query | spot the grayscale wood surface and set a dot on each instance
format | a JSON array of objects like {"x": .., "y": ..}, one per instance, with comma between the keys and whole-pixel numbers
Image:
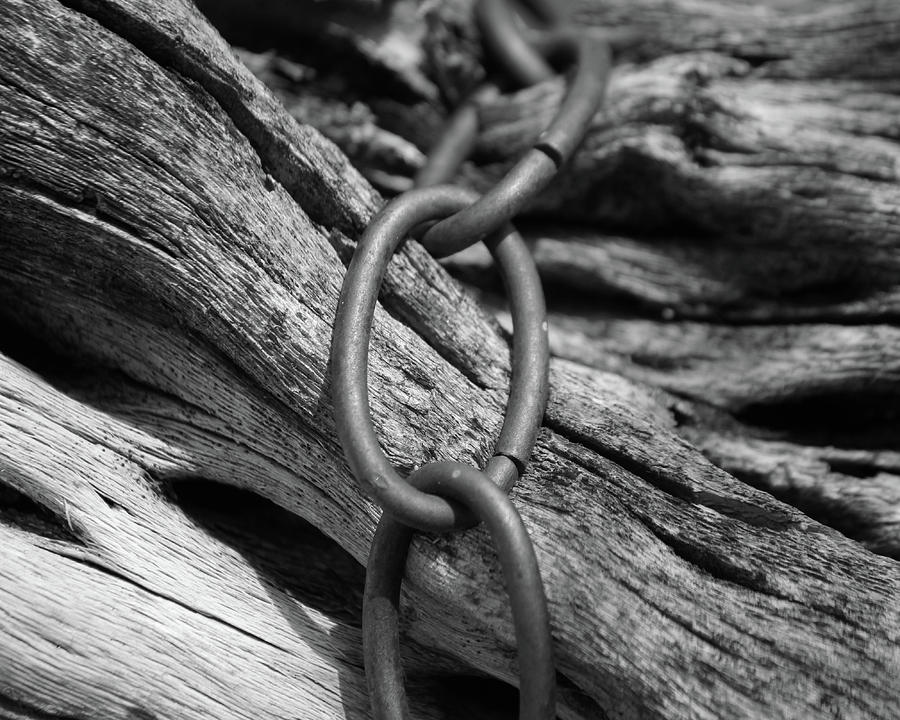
[{"x": 713, "y": 497}]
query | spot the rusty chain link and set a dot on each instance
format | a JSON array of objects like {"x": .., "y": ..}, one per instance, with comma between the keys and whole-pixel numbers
[
  {"x": 534, "y": 170},
  {"x": 445, "y": 496},
  {"x": 350, "y": 343}
]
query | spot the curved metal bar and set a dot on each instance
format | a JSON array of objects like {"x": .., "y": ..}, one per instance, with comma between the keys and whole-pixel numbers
[
  {"x": 455, "y": 145},
  {"x": 530, "y": 175},
  {"x": 387, "y": 559},
  {"x": 585, "y": 94},
  {"x": 350, "y": 349},
  {"x": 380, "y": 623},
  {"x": 497, "y": 23},
  {"x": 530, "y": 355},
  {"x": 456, "y": 142}
]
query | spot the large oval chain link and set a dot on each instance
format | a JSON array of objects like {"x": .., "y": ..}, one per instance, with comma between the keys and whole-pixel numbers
[
  {"x": 350, "y": 348},
  {"x": 446, "y": 496},
  {"x": 537, "y": 167}
]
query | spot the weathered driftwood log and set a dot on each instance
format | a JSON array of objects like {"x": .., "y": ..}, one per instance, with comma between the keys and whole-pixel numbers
[
  {"x": 713, "y": 192},
  {"x": 172, "y": 249},
  {"x": 798, "y": 410},
  {"x": 138, "y": 602}
]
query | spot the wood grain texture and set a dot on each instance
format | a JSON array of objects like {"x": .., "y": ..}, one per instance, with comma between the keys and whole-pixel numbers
[
  {"x": 136, "y": 604},
  {"x": 187, "y": 289},
  {"x": 780, "y": 202},
  {"x": 781, "y": 38},
  {"x": 805, "y": 412}
]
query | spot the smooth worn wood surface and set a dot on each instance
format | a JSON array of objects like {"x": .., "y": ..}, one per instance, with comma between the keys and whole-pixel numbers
[{"x": 172, "y": 245}]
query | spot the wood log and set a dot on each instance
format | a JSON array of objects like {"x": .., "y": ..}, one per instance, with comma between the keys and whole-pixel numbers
[
  {"x": 142, "y": 602},
  {"x": 743, "y": 138},
  {"x": 172, "y": 250},
  {"x": 705, "y": 188},
  {"x": 801, "y": 411},
  {"x": 781, "y": 38}
]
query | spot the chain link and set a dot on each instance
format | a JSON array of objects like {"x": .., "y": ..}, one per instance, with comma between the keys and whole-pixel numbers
[
  {"x": 384, "y": 574},
  {"x": 444, "y": 496},
  {"x": 349, "y": 358}
]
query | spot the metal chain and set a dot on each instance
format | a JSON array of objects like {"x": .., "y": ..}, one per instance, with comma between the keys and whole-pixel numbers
[{"x": 444, "y": 496}]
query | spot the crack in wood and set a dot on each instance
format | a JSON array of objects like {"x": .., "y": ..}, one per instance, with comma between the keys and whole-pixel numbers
[
  {"x": 317, "y": 198},
  {"x": 726, "y": 506},
  {"x": 97, "y": 562}
]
